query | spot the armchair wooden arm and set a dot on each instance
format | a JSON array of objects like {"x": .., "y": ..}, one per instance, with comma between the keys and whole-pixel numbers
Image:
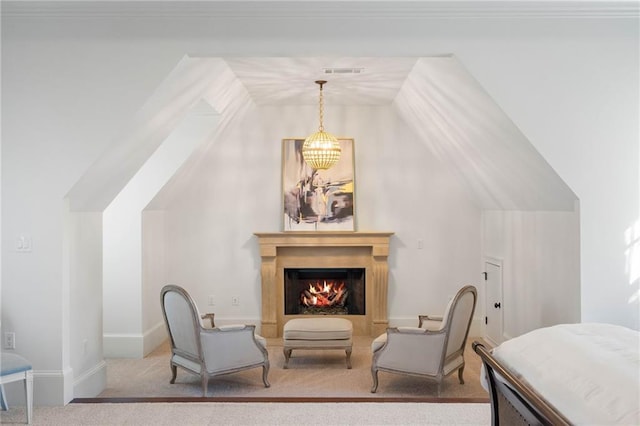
[
  {"x": 210, "y": 316},
  {"x": 423, "y": 318}
]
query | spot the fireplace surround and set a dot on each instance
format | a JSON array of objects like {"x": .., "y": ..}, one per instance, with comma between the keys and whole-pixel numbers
[{"x": 280, "y": 251}]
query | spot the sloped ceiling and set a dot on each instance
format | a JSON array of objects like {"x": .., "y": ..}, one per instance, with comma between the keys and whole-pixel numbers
[
  {"x": 465, "y": 128},
  {"x": 454, "y": 116},
  {"x": 438, "y": 98},
  {"x": 350, "y": 81},
  {"x": 192, "y": 82}
]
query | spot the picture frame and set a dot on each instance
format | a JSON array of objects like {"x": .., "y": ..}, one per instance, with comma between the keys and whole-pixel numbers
[{"x": 317, "y": 200}]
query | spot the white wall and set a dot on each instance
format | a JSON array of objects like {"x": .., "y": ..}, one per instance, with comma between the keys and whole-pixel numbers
[
  {"x": 235, "y": 190},
  {"x": 574, "y": 94},
  {"x": 124, "y": 335},
  {"x": 154, "y": 277},
  {"x": 85, "y": 289},
  {"x": 70, "y": 84},
  {"x": 541, "y": 267},
  {"x": 63, "y": 101}
]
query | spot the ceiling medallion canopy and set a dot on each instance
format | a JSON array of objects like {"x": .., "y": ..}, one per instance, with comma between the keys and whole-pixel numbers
[{"x": 321, "y": 150}]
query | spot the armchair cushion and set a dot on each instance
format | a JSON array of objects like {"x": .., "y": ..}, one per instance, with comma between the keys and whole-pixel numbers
[
  {"x": 187, "y": 364},
  {"x": 378, "y": 342}
]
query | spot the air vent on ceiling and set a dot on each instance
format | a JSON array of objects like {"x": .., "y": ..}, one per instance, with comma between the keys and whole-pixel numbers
[{"x": 343, "y": 70}]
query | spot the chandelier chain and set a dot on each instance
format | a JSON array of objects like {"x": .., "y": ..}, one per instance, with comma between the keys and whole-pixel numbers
[{"x": 321, "y": 127}]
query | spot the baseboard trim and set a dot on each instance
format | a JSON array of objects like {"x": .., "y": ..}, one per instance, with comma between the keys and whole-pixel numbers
[
  {"x": 132, "y": 345},
  {"x": 122, "y": 345},
  {"x": 92, "y": 382},
  {"x": 50, "y": 388},
  {"x": 154, "y": 338}
]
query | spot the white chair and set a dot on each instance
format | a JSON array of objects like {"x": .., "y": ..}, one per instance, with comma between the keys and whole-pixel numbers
[
  {"x": 429, "y": 353},
  {"x": 13, "y": 368},
  {"x": 208, "y": 352}
]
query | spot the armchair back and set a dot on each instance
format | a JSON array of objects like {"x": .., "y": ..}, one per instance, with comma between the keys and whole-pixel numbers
[
  {"x": 183, "y": 324},
  {"x": 208, "y": 352},
  {"x": 458, "y": 319}
]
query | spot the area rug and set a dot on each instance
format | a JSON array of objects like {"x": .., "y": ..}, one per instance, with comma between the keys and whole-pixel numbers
[
  {"x": 248, "y": 414},
  {"x": 311, "y": 374}
]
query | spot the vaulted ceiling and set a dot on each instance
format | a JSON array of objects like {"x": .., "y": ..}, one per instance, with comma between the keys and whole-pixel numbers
[
  {"x": 454, "y": 117},
  {"x": 350, "y": 81}
]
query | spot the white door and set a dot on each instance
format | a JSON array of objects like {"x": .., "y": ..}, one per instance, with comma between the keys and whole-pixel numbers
[{"x": 493, "y": 301}]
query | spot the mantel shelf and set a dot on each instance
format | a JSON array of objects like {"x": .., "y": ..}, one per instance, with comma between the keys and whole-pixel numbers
[{"x": 270, "y": 241}]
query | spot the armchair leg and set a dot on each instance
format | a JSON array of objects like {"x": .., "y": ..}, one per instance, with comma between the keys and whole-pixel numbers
[
  {"x": 287, "y": 354},
  {"x": 460, "y": 371},
  {"x": 205, "y": 384},
  {"x": 374, "y": 374},
  {"x": 348, "y": 351},
  {"x": 174, "y": 373},
  {"x": 28, "y": 393},
  {"x": 265, "y": 372}
]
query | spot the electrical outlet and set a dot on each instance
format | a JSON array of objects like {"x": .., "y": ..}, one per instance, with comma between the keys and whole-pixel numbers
[
  {"x": 235, "y": 301},
  {"x": 212, "y": 300},
  {"x": 9, "y": 340}
]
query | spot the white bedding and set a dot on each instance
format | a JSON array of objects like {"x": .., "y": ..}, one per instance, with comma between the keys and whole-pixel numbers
[{"x": 589, "y": 372}]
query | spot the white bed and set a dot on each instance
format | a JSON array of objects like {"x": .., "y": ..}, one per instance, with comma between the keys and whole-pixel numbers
[{"x": 588, "y": 373}]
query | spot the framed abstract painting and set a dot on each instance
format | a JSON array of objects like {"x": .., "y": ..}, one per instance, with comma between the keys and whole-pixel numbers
[{"x": 317, "y": 200}]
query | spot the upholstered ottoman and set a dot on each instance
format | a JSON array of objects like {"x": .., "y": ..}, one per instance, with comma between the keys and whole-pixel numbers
[{"x": 317, "y": 333}]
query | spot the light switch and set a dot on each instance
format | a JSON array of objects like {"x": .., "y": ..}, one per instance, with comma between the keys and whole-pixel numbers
[{"x": 23, "y": 244}]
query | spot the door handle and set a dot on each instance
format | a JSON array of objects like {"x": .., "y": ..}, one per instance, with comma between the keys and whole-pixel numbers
[{"x": 496, "y": 305}]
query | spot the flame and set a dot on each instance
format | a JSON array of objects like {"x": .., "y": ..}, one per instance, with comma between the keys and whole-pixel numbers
[{"x": 323, "y": 294}]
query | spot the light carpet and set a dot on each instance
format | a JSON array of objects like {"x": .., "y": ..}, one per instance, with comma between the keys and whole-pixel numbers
[
  {"x": 311, "y": 374},
  {"x": 272, "y": 413}
]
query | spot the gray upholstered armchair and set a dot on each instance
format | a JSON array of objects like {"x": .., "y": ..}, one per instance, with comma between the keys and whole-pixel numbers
[
  {"x": 208, "y": 352},
  {"x": 431, "y": 353}
]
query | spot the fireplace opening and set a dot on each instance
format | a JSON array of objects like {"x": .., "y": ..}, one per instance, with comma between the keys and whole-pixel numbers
[{"x": 324, "y": 291}]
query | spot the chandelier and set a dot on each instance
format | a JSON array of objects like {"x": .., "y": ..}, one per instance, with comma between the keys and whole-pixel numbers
[{"x": 321, "y": 150}]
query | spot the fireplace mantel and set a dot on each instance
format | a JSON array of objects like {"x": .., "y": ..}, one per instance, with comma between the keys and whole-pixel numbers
[{"x": 369, "y": 250}]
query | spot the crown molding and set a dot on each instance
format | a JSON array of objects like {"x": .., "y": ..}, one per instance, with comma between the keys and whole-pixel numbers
[{"x": 333, "y": 9}]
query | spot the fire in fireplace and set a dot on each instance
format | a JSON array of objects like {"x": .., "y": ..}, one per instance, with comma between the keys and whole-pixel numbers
[
  {"x": 324, "y": 295},
  {"x": 324, "y": 291}
]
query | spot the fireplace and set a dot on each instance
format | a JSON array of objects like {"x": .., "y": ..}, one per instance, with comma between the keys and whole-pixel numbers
[
  {"x": 324, "y": 291},
  {"x": 313, "y": 252}
]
